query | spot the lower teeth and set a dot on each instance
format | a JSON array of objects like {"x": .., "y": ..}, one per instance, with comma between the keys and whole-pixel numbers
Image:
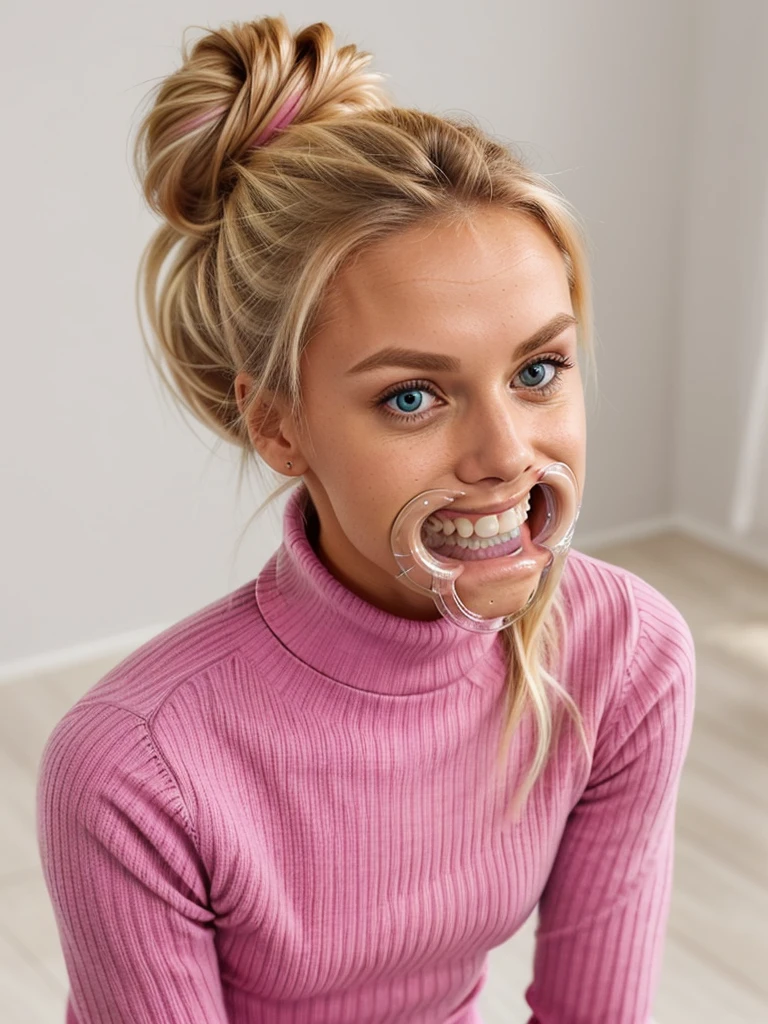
[{"x": 473, "y": 543}]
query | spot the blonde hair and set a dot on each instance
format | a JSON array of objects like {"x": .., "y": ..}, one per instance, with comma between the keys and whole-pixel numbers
[{"x": 252, "y": 237}]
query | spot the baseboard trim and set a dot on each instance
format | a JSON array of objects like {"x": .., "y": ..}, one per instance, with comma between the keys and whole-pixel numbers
[
  {"x": 640, "y": 530},
  {"x": 717, "y": 539},
  {"x": 728, "y": 543},
  {"x": 117, "y": 646}
]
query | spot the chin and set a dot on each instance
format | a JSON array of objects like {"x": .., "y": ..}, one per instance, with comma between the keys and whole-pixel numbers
[{"x": 508, "y": 599}]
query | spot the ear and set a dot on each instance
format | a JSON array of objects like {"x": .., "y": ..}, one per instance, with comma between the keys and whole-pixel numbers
[{"x": 271, "y": 428}]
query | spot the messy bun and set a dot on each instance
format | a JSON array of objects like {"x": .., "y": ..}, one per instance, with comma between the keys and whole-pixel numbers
[
  {"x": 210, "y": 114},
  {"x": 257, "y": 218}
]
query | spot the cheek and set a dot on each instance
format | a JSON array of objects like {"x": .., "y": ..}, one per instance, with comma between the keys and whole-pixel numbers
[
  {"x": 567, "y": 427},
  {"x": 375, "y": 487},
  {"x": 572, "y": 443}
]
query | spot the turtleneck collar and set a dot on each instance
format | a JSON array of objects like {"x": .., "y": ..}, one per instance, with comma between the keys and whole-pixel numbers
[{"x": 336, "y": 632}]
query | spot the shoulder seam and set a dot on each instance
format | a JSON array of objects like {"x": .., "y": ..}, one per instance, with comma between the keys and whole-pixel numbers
[
  {"x": 219, "y": 659},
  {"x": 642, "y": 630},
  {"x": 157, "y": 755},
  {"x": 187, "y": 817},
  {"x": 632, "y": 651},
  {"x": 632, "y": 646},
  {"x": 638, "y": 627}
]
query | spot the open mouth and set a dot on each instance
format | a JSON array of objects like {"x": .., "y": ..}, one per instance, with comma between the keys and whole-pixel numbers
[
  {"x": 537, "y": 515},
  {"x": 482, "y": 537}
]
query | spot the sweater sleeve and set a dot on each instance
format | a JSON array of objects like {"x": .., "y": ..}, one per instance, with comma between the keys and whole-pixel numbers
[
  {"x": 125, "y": 880},
  {"x": 603, "y": 912}
]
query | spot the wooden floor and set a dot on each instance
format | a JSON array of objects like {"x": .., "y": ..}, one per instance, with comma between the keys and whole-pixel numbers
[{"x": 716, "y": 959}]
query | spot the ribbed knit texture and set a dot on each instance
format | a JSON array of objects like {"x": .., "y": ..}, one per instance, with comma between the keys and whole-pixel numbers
[{"x": 284, "y": 810}]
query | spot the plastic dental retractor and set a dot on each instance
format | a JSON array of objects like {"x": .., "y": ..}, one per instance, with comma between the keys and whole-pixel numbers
[{"x": 425, "y": 570}]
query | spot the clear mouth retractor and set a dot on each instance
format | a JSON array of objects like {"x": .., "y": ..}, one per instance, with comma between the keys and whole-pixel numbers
[{"x": 423, "y": 570}]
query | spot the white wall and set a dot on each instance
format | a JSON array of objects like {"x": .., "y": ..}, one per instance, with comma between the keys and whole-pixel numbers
[
  {"x": 723, "y": 311},
  {"x": 115, "y": 515}
]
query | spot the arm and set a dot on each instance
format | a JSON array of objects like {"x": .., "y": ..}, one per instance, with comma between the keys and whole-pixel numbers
[
  {"x": 604, "y": 909},
  {"x": 127, "y": 885}
]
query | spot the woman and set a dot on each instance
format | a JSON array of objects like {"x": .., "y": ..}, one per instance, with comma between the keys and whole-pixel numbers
[{"x": 326, "y": 796}]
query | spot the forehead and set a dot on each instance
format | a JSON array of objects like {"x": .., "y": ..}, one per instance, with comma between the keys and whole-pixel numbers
[{"x": 494, "y": 260}]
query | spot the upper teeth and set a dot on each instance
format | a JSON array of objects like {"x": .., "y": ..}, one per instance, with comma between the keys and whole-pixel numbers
[{"x": 485, "y": 526}]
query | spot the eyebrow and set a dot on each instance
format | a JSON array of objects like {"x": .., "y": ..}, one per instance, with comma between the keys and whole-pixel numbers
[{"x": 433, "y": 361}]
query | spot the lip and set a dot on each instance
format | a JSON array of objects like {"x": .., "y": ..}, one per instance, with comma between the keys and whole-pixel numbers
[{"x": 492, "y": 510}]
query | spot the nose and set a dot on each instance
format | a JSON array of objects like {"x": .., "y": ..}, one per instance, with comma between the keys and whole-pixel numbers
[{"x": 495, "y": 441}]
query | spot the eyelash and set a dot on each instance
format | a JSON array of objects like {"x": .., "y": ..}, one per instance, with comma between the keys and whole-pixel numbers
[{"x": 561, "y": 362}]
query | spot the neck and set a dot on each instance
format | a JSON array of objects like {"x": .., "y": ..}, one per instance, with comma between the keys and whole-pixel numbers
[{"x": 326, "y": 625}]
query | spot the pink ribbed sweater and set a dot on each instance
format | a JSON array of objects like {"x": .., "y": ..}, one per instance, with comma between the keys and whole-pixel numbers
[{"x": 284, "y": 809}]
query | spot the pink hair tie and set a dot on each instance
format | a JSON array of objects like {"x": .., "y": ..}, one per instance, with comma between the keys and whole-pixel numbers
[
  {"x": 282, "y": 119},
  {"x": 199, "y": 121}
]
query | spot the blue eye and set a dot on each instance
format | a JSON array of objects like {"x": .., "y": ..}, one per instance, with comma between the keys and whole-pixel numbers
[
  {"x": 529, "y": 369},
  {"x": 409, "y": 404},
  {"x": 408, "y": 401}
]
